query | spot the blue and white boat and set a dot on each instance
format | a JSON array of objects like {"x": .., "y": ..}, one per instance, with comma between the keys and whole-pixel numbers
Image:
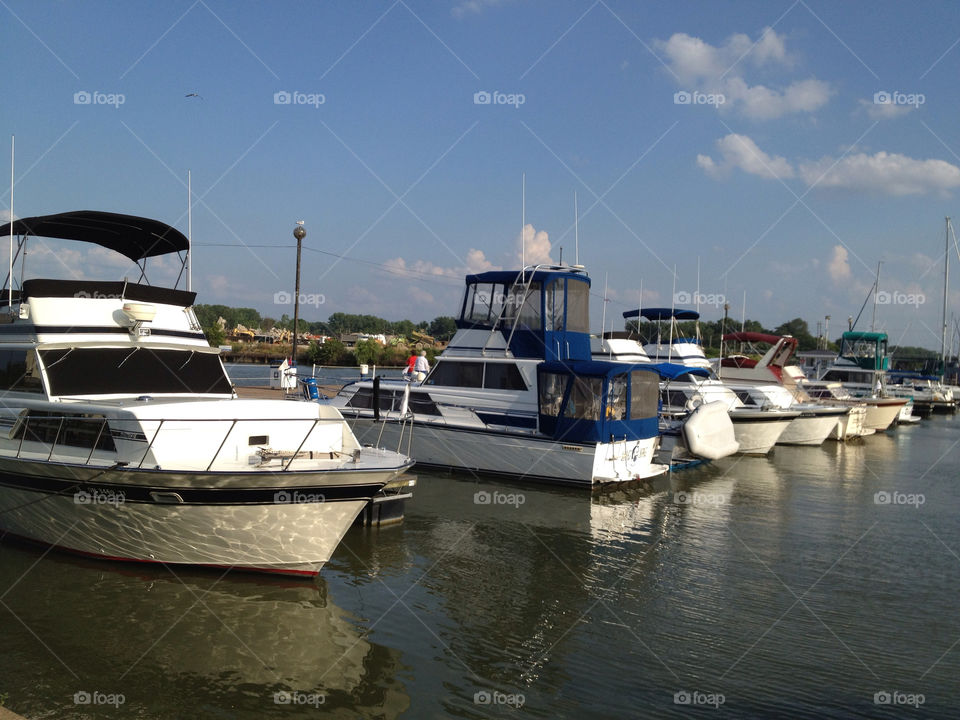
[{"x": 516, "y": 392}]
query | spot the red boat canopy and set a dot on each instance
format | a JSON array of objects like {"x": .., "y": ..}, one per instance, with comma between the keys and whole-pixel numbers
[{"x": 755, "y": 337}]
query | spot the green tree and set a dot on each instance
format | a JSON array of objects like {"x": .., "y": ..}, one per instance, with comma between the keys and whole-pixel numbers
[
  {"x": 367, "y": 352},
  {"x": 332, "y": 352},
  {"x": 215, "y": 335},
  {"x": 443, "y": 328}
]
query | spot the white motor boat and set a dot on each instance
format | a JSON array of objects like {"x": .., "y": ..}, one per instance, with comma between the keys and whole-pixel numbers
[
  {"x": 121, "y": 436},
  {"x": 516, "y": 394},
  {"x": 756, "y": 430}
]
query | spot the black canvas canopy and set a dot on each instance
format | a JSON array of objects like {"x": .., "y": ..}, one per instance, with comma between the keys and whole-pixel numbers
[{"x": 135, "y": 237}]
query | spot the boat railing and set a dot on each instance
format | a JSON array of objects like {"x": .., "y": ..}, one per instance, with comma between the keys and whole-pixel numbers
[{"x": 88, "y": 434}]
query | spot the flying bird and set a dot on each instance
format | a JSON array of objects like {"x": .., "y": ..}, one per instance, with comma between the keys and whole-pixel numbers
[{"x": 193, "y": 94}]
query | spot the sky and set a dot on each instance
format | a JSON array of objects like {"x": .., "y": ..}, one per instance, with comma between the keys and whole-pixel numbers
[{"x": 769, "y": 153}]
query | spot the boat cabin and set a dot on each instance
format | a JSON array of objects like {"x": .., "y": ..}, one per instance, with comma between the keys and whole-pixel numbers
[
  {"x": 593, "y": 401},
  {"x": 867, "y": 350}
]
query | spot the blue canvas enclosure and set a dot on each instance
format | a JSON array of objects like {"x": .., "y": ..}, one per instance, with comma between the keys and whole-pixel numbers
[
  {"x": 598, "y": 401},
  {"x": 541, "y": 313}
]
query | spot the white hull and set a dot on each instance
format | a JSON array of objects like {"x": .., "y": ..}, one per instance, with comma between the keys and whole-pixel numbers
[
  {"x": 810, "y": 429},
  {"x": 882, "y": 415},
  {"x": 757, "y": 437},
  {"x": 517, "y": 456}
]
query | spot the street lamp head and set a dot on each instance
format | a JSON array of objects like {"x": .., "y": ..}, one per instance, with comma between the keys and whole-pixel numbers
[{"x": 298, "y": 232}]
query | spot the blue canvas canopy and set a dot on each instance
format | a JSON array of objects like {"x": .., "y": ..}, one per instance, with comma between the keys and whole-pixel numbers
[{"x": 662, "y": 314}]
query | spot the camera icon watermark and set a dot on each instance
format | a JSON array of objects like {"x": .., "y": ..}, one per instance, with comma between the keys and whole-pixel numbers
[
  {"x": 696, "y": 697},
  {"x": 684, "y": 297},
  {"x": 495, "y": 697},
  {"x": 483, "y": 97},
  {"x": 484, "y": 497},
  {"x": 293, "y": 697},
  {"x": 84, "y": 697},
  {"x": 900, "y": 298},
  {"x": 685, "y": 97},
  {"x": 284, "y": 97},
  {"x": 84, "y": 97},
  {"x": 893, "y": 497},
  {"x": 684, "y": 497},
  {"x": 99, "y": 496},
  {"x": 883, "y": 97},
  {"x": 895, "y": 697},
  {"x": 282, "y": 297},
  {"x": 297, "y": 497}
]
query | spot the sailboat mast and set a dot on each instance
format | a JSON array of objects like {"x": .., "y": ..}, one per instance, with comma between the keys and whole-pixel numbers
[
  {"x": 946, "y": 286},
  {"x": 876, "y": 290},
  {"x": 189, "y": 233},
  {"x": 10, "y": 276}
]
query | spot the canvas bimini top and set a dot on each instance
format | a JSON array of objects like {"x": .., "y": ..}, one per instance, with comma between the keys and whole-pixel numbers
[{"x": 134, "y": 237}]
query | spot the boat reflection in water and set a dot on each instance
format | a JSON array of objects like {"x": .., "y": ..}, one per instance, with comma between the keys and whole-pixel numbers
[{"x": 194, "y": 644}]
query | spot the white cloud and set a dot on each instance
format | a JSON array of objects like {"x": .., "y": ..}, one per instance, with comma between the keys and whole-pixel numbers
[
  {"x": 700, "y": 66},
  {"x": 536, "y": 249},
  {"x": 883, "y": 172},
  {"x": 884, "y": 111},
  {"x": 839, "y": 266},
  {"x": 740, "y": 151},
  {"x": 476, "y": 262},
  {"x": 473, "y": 7}
]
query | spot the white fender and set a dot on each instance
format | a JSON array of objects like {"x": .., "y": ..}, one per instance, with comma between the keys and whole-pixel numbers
[{"x": 708, "y": 431}]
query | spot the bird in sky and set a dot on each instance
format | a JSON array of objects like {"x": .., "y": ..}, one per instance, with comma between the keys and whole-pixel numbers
[{"x": 193, "y": 94}]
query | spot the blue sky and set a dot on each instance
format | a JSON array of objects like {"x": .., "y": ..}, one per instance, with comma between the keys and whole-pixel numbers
[{"x": 753, "y": 137}]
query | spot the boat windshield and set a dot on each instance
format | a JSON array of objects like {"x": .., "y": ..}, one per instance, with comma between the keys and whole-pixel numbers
[{"x": 134, "y": 371}]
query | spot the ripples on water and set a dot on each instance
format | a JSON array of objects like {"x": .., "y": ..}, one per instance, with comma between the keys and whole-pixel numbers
[{"x": 779, "y": 583}]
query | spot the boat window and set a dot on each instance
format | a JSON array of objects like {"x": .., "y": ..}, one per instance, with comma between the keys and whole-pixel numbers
[
  {"x": 456, "y": 374},
  {"x": 392, "y": 400},
  {"x": 745, "y": 397},
  {"x": 673, "y": 398},
  {"x": 617, "y": 398},
  {"x": 553, "y": 306},
  {"x": 584, "y": 400},
  {"x": 645, "y": 394},
  {"x": 133, "y": 370},
  {"x": 74, "y": 430},
  {"x": 552, "y": 386},
  {"x": 483, "y": 303},
  {"x": 523, "y": 307},
  {"x": 503, "y": 376},
  {"x": 18, "y": 371},
  {"x": 578, "y": 306}
]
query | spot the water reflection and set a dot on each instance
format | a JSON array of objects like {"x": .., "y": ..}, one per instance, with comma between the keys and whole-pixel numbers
[{"x": 190, "y": 645}]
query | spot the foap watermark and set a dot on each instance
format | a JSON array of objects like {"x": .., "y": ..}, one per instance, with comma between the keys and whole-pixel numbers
[
  {"x": 99, "y": 496},
  {"x": 282, "y": 297},
  {"x": 697, "y": 697},
  {"x": 84, "y": 97},
  {"x": 495, "y": 697},
  {"x": 284, "y": 97},
  {"x": 295, "y": 497},
  {"x": 684, "y": 497},
  {"x": 498, "y": 498},
  {"x": 97, "y": 295},
  {"x": 884, "y": 97},
  {"x": 893, "y": 497},
  {"x": 895, "y": 697},
  {"x": 84, "y": 697},
  {"x": 684, "y": 97},
  {"x": 900, "y": 298},
  {"x": 293, "y": 697},
  {"x": 482, "y": 97},
  {"x": 684, "y": 297}
]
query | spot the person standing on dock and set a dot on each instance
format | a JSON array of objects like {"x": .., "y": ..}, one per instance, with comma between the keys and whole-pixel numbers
[
  {"x": 421, "y": 366},
  {"x": 411, "y": 364}
]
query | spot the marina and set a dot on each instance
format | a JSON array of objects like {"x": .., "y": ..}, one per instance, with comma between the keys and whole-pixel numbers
[{"x": 785, "y": 586}]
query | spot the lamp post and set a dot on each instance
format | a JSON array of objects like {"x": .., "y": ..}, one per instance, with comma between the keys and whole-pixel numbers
[{"x": 299, "y": 233}]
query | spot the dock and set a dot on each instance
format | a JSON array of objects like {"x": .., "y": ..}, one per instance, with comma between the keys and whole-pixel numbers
[{"x": 269, "y": 393}]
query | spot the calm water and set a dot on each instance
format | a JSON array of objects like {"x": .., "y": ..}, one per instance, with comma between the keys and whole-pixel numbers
[{"x": 755, "y": 587}]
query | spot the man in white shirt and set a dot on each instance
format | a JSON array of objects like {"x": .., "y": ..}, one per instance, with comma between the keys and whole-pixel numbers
[{"x": 422, "y": 366}]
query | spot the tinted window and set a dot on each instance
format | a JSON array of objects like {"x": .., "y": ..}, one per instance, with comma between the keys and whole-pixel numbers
[
  {"x": 645, "y": 394},
  {"x": 617, "y": 398},
  {"x": 584, "y": 400},
  {"x": 83, "y": 431},
  {"x": 503, "y": 376},
  {"x": 18, "y": 371},
  {"x": 578, "y": 306},
  {"x": 139, "y": 370},
  {"x": 457, "y": 374},
  {"x": 551, "y": 393}
]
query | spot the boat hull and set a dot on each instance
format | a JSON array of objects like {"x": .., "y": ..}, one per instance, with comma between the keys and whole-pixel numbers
[
  {"x": 515, "y": 456},
  {"x": 811, "y": 428},
  {"x": 757, "y": 432},
  {"x": 281, "y": 522}
]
